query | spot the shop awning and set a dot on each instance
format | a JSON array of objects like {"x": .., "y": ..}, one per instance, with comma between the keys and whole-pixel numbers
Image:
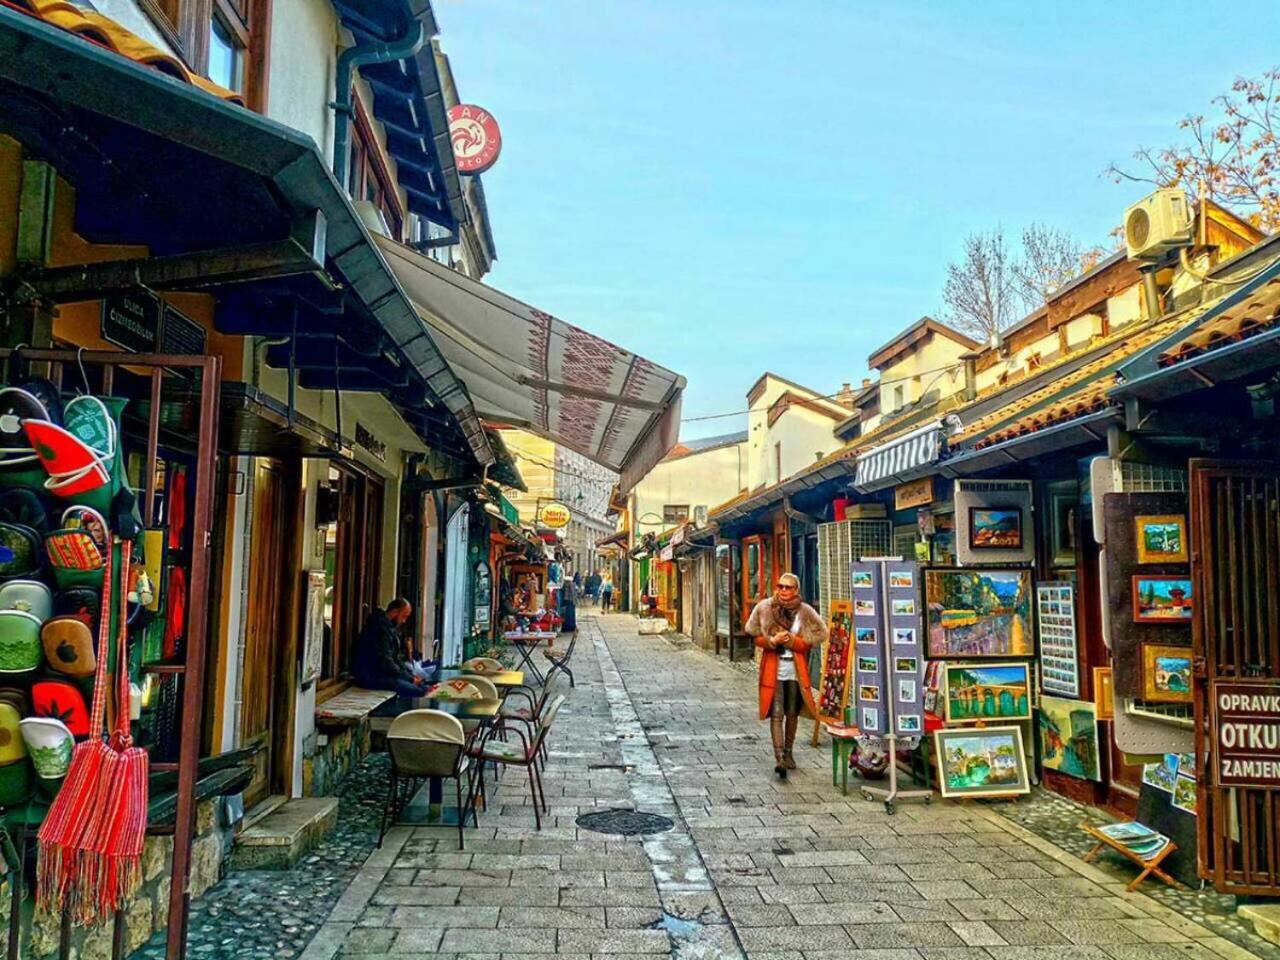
[
  {"x": 619, "y": 539},
  {"x": 525, "y": 368},
  {"x": 202, "y": 181},
  {"x": 899, "y": 460}
]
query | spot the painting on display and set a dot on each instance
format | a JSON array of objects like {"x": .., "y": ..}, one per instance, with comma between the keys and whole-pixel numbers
[
  {"x": 1166, "y": 673},
  {"x": 995, "y": 528},
  {"x": 1104, "y": 697},
  {"x": 1069, "y": 737},
  {"x": 1059, "y": 654},
  {"x": 313, "y": 627},
  {"x": 862, "y": 580},
  {"x": 1184, "y": 794},
  {"x": 833, "y": 693},
  {"x": 1161, "y": 539},
  {"x": 888, "y": 655},
  {"x": 1162, "y": 775},
  {"x": 1063, "y": 508},
  {"x": 1161, "y": 599},
  {"x": 979, "y": 613},
  {"x": 987, "y": 691},
  {"x": 986, "y": 762}
]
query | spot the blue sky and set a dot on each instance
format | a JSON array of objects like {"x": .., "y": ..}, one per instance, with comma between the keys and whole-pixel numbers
[{"x": 729, "y": 186}]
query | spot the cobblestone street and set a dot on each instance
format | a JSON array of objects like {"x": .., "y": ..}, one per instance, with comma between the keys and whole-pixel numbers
[{"x": 752, "y": 868}]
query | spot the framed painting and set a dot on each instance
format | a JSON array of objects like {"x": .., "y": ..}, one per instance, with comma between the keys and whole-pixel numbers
[
  {"x": 987, "y": 762},
  {"x": 904, "y": 608},
  {"x": 901, "y": 580},
  {"x": 987, "y": 691},
  {"x": 1161, "y": 599},
  {"x": 904, "y": 636},
  {"x": 865, "y": 634},
  {"x": 995, "y": 528},
  {"x": 834, "y": 687},
  {"x": 1064, "y": 506},
  {"x": 1069, "y": 737},
  {"x": 1161, "y": 539},
  {"x": 869, "y": 693},
  {"x": 1104, "y": 697},
  {"x": 909, "y": 665},
  {"x": 864, "y": 608},
  {"x": 862, "y": 580},
  {"x": 868, "y": 665},
  {"x": 979, "y": 613},
  {"x": 1166, "y": 673}
]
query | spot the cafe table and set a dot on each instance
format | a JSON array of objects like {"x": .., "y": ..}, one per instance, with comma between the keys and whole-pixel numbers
[
  {"x": 504, "y": 680},
  {"x": 426, "y": 806},
  {"x": 525, "y": 644}
]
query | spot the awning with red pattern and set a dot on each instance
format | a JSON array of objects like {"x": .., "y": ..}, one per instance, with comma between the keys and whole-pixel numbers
[{"x": 527, "y": 369}]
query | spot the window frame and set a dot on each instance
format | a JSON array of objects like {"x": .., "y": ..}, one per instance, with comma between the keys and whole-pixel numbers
[
  {"x": 671, "y": 513},
  {"x": 367, "y": 169},
  {"x": 186, "y": 24}
]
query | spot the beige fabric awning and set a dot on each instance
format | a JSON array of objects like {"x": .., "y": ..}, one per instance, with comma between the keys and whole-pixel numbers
[{"x": 527, "y": 369}]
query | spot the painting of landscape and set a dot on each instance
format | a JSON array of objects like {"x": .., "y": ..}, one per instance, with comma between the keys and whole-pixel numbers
[
  {"x": 1166, "y": 673},
  {"x": 1069, "y": 737},
  {"x": 996, "y": 691},
  {"x": 995, "y": 528},
  {"x": 979, "y": 613},
  {"x": 981, "y": 763},
  {"x": 1161, "y": 599}
]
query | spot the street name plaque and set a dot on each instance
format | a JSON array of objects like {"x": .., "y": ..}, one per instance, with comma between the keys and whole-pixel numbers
[{"x": 1246, "y": 733}]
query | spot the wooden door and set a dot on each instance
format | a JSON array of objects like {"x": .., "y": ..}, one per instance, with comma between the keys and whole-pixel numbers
[
  {"x": 265, "y": 623},
  {"x": 1235, "y": 569}
]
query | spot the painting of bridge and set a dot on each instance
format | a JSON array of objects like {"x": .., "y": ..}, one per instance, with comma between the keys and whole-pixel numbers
[{"x": 996, "y": 691}]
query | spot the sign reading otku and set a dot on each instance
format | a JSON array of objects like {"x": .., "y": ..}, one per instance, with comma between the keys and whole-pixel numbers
[
  {"x": 475, "y": 136},
  {"x": 1246, "y": 727},
  {"x": 554, "y": 516}
]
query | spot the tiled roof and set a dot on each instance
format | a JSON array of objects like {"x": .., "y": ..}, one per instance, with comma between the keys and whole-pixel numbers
[
  {"x": 105, "y": 32},
  {"x": 1076, "y": 394},
  {"x": 1255, "y": 314}
]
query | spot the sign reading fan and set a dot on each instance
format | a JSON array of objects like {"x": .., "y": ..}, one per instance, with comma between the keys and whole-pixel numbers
[{"x": 1246, "y": 721}]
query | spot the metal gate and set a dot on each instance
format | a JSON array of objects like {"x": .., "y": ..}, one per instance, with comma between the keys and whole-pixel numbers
[
  {"x": 172, "y": 418},
  {"x": 1235, "y": 566}
]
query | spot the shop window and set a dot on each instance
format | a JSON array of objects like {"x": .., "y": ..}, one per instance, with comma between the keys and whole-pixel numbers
[
  {"x": 757, "y": 572},
  {"x": 349, "y": 518},
  {"x": 673, "y": 513},
  {"x": 724, "y": 589}
]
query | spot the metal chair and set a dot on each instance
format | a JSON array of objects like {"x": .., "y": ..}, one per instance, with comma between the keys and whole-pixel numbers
[
  {"x": 531, "y": 715},
  {"x": 560, "y": 662},
  {"x": 524, "y": 754},
  {"x": 422, "y": 744}
]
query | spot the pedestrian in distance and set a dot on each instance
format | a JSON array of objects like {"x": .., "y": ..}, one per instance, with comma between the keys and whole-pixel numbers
[
  {"x": 606, "y": 595},
  {"x": 785, "y": 628}
]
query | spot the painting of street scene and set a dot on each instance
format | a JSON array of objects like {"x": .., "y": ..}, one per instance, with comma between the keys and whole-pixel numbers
[
  {"x": 1069, "y": 737},
  {"x": 981, "y": 763},
  {"x": 996, "y": 691},
  {"x": 1161, "y": 599},
  {"x": 979, "y": 613}
]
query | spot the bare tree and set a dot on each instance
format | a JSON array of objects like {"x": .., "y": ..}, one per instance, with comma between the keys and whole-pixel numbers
[
  {"x": 1050, "y": 259},
  {"x": 1236, "y": 154},
  {"x": 980, "y": 295}
]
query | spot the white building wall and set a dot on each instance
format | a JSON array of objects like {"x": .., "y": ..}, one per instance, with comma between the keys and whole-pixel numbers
[
  {"x": 304, "y": 53},
  {"x": 708, "y": 478}
]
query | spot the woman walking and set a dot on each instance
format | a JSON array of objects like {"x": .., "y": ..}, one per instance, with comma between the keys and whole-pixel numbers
[{"x": 785, "y": 628}]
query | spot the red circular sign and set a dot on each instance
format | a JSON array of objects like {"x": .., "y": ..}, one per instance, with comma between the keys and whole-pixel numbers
[{"x": 476, "y": 139}]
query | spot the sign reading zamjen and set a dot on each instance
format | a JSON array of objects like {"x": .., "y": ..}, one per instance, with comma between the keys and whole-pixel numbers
[{"x": 1246, "y": 724}]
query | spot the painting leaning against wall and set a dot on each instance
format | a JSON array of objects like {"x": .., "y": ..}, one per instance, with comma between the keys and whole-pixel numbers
[{"x": 1069, "y": 737}]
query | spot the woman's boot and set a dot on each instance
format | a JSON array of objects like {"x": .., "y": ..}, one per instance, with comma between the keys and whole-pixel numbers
[
  {"x": 788, "y": 760},
  {"x": 779, "y": 756}
]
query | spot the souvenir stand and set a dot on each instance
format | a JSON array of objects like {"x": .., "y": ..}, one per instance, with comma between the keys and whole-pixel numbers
[
  {"x": 888, "y": 665},
  {"x": 106, "y": 494}
]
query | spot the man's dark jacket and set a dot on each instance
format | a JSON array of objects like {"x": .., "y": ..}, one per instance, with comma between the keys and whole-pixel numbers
[{"x": 379, "y": 657}]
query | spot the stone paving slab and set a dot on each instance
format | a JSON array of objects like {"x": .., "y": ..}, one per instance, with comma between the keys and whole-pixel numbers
[{"x": 753, "y": 867}]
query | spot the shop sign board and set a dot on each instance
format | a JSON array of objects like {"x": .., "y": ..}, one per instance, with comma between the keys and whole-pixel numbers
[
  {"x": 917, "y": 493},
  {"x": 667, "y": 553},
  {"x": 677, "y": 537},
  {"x": 476, "y": 139},
  {"x": 553, "y": 516},
  {"x": 366, "y": 439},
  {"x": 139, "y": 321},
  {"x": 1246, "y": 732}
]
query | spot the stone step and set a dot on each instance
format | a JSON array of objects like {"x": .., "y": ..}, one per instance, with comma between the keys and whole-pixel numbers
[
  {"x": 1265, "y": 918},
  {"x": 281, "y": 838}
]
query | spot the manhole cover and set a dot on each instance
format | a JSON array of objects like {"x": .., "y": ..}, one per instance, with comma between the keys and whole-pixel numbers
[{"x": 626, "y": 823}]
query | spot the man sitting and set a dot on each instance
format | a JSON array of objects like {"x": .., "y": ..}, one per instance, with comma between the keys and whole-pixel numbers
[{"x": 380, "y": 662}]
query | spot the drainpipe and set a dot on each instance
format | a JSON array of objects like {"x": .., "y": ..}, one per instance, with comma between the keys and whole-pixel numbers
[
  {"x": 970, "y": 374},
  {"x": 1151, "y": 292},
  {"x": 386, "y": 51}
]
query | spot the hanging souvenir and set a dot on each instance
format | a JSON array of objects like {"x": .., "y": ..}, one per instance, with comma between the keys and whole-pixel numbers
[
  {"x": 19, "y": 642},
  {"x": 81, "y": 602},
  {"x": 49, "y": 744},
  {"x": 73, "y": 467},
  {"x": 19, "y": 552},
  {"x": 68, "y": 646},
  {"x": 12, "y": 747},
  {"x": 15, "y": 783},
  {"x": 77, "y": 551},
  {"x": 63, "y": 701},
  {"x": 26, "y": 507},
  {"x": 29, "y": 596},
  {"x": 32, "y": 400},
  {"x": 17, "y": 698}
]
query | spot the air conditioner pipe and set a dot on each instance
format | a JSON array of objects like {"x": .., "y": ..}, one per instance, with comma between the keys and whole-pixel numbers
[
  {"x": 1151, "y": 292},
  {"x": 382, "y": 51}
]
